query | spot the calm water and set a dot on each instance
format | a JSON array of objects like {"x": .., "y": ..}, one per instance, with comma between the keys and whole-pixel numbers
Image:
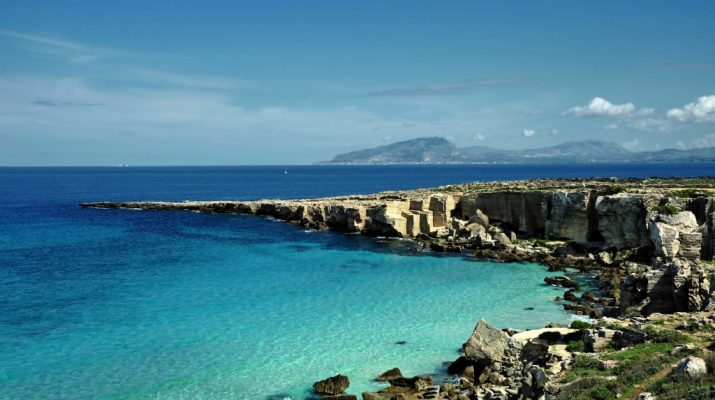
[{"x": 117, "y": 304}]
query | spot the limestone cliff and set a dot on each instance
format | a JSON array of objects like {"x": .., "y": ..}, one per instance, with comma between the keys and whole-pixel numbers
[{"x": 651, "y": 235}]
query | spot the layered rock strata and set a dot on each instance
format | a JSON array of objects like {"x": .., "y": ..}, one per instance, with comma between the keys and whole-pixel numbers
[{"x": 646, "y": 245}]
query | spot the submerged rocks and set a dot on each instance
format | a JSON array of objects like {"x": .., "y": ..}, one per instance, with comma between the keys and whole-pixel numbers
[{"x": 332, "y": 386}]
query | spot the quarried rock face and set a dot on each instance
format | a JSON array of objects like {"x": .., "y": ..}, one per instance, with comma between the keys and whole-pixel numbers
[
  {"x": 621, "y": 221},
  {"x": 569, "y": 218},
  {"x": 522, "y": 211},
  {"x": 675, "y": 235}
]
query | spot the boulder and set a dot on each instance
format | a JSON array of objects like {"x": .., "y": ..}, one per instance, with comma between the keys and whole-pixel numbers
[
  {"x": 417, "y": 383},
  {"x": 378, "y": 396},
  {"x": 486, "y": 344},
  {"x": 479, "y": 218},
  {"x": 389, "y": 375},
  {"x": 333, "y": 385},
  {"x": 562, "y": 281},
  {"x": 534, "y": 383},
  {"x": 665, "y": 239},
  {"x": 691, "y": 367},
  {"x": 595, "y": 340},
  {"x": 676, "y": 235}
]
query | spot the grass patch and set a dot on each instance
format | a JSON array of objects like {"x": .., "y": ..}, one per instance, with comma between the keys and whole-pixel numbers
[
  {"x": 584, "y": 366},
  {"x": 614, "y": 189},
  {"x": 575, "y": 346},
  {"x": 590, "y": 388},
  {"x": 666, "y": 335},
  {"x": 687, "y": 193},
  {"x": 640, "y": 352},
  {"x": 678, "y": 387},
  {"x": 667, "y": 209},
  {"x": 578, "y": 324}
]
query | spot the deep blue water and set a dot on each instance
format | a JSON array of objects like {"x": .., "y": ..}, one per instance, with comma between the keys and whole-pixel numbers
[{"x": 117, "y": 304}]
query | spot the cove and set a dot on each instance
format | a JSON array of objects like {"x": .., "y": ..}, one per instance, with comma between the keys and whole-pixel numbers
[{"x": 133, "y": 305}]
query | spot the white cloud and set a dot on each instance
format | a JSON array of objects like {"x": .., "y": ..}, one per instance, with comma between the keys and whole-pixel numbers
[
  {"x": 611, "y": 126},
  {"x": 600, "y": 107},
  {"x": 479, "y": 136},
  {"x": 630, "y": 144},
  {"x": 528, "y": 133},
  {"x": 189, "y": 80},
  {"x": 702, "y": 110},
  {"x": 698, "y": 143},
  {"x": 649, "y": 124},
  {"x": 555, "y": 131},
  {"x": 73, "y": 52},
  {"x": 705, "y": 141},
  {"x": 42, "y": 40}
]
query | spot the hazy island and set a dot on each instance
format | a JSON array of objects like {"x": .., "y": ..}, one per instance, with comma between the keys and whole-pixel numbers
[
  {"x": 438, "y": 150},
  {"x": 648, "y": 242}
]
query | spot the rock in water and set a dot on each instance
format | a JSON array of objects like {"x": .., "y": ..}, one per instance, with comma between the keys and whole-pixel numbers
[
  {"x": 691, "y": 367},
  {"x": 486, "y": 343},
  {"x": 389, "y": 375},
  {"x": 562, "y": 281},
  {"x": 334, "y": 385}
]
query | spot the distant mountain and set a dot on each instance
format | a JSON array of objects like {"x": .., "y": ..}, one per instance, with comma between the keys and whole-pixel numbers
[
  {"x": 437, "y": 150},
  {"x": 429, "y": 150}
]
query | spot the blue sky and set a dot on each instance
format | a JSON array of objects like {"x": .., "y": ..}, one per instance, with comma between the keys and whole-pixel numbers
[{"x": 283, "y": 82}]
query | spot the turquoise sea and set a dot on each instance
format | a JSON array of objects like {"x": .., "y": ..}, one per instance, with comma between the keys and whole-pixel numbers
[{"x": 118, "y": 304}]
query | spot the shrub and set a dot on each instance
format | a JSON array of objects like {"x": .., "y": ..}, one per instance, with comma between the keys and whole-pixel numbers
[
  {"x": 687, "y": 193},
  {"x": 578, "y": 324},
  {"x": 575, "y": 346},
  {"x": 667, "y": 209},
  {"x": 588, "y": 389},
  {"x": 665, "y": 335}
]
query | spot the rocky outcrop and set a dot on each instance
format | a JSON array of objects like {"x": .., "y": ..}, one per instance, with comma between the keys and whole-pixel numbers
[
  {"x": 389, "y": 375},
  {"x": 691, "y": 367},
  {"x": 621, "y": 221},
  {"x": 570, "y": 216},
  {"x": 646, "y": 245},
  {"x": 332, "y": 386}
]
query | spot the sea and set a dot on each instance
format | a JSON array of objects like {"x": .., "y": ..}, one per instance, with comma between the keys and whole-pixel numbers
[{"x": 121, "y": 304}]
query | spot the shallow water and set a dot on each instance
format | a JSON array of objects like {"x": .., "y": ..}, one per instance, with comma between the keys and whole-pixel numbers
[{"x": 119, "y": 304}]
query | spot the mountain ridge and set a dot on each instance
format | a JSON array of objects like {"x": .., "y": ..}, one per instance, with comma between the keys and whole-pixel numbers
[{"x": 438, "y": 150}]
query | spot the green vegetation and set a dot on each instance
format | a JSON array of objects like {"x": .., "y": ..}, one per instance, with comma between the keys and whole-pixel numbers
[
  {"x": 575, "y": 346},
  {"x": 615, "y": 189},
  {"x": 633, "y": 311},
  {"x": 667, "y": 209},
  {"x": 666, "y": 336},
  {"x": 578, "y": 324},
  {"x": 584, "y": 366},
  {"x": 675, "y": 387},
  {"x": 634, "y": 367},
  {"x": 687, "y": 193},
  {"x": 589, "y": 388}
]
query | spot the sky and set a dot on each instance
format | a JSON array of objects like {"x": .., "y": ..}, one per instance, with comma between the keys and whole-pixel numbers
[{"x": 291, "y": 82}]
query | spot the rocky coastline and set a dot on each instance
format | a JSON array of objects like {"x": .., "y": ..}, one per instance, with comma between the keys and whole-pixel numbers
[{"x": 648, "y": 242}]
